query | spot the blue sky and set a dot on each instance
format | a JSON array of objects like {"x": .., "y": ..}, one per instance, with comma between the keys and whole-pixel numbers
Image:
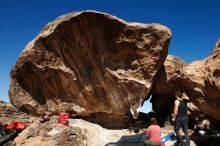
[{"x": 195, "y": 24}]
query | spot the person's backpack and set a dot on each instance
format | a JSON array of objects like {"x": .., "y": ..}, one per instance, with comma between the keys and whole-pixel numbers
[
  {"x": 18, "y": 126},
  {"x": 63, "y": 118},
  {"x": 44, "y": 118},
  {"x": 10, "y": 126}
]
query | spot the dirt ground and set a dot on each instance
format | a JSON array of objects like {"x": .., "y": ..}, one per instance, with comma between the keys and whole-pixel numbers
[{"x": 99, "y": 136}]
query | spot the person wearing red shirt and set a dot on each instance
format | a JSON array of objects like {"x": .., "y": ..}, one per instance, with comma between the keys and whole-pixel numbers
[{"x": 153, "y": 134}]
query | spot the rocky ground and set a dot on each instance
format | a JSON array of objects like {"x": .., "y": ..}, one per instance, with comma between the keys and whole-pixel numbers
[
  {"x": 99, "y": 136},
  {"x": 78, "y": 133}
]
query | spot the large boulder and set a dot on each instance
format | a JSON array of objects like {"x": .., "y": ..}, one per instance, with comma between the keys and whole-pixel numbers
[
  {"x": 89, "y": 63},
  {"x": 201, "y": 82}
]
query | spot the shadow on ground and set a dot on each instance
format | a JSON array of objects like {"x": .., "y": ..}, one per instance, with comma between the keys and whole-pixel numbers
[
  {"x": 206, "y": 140},
  {"x": 131, "y": 140}
]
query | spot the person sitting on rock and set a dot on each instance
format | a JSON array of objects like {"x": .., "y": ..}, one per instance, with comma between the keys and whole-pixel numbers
[
  {"x": 204, "y": 127},
  {"x": 205, "y": 124},
  {"x": 153, "y": 134}
]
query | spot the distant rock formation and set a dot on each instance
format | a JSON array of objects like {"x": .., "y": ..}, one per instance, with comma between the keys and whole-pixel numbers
[
  {"x": 9, "y": 114},
  {"x": 201, "y": 82},
  {"x": 88, "y": 63}
]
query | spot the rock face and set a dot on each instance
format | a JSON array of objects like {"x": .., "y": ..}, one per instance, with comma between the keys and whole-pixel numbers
[
  {"x": 201, "y": 82},
  {"x": 164, "y": 87},
  {"x": 89, "y": 63},
  {"x": 165, "y": 82}
]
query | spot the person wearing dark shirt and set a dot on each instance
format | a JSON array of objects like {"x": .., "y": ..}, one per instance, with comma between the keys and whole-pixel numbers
[{"x": 180, "y": 119}]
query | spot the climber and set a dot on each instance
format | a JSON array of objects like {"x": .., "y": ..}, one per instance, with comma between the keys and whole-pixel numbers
[{"x": 180, "y": 118}]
